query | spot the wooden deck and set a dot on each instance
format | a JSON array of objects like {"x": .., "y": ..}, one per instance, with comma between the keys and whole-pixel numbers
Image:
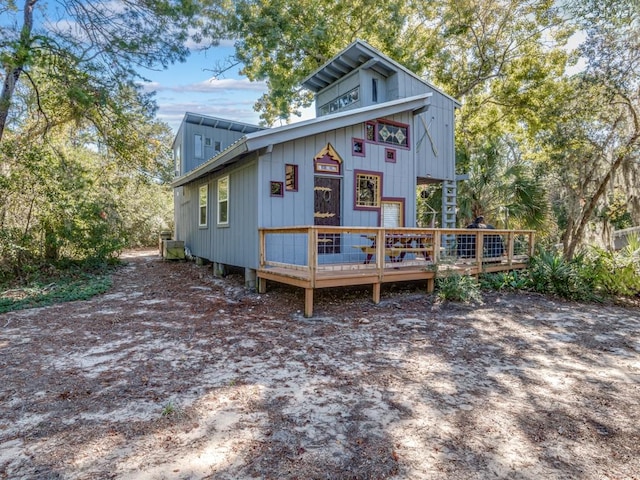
[{"x": 294, "y": 256}]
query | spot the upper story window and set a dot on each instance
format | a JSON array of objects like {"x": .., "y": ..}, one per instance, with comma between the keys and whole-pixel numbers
[
  {"x": 341, "y": 102},
  {"x": 386, "y": 131},
  {"x": 178, "y": 160},
  {"x": 216, "y": 146},
  {"x": 393, "y": 133},
  {"x": 197, "y": 146}
]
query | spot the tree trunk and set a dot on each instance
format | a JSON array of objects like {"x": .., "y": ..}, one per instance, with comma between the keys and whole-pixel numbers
[
  {"x": 14, "y": 69},
  {"x": 574, "y": 237}
]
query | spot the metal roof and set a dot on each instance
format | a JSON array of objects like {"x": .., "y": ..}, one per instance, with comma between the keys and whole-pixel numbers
[
  {"x": 359, "y": 54},
  {"x": 222, "y": 123}
]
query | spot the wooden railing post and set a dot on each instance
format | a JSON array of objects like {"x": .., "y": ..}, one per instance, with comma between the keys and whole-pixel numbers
[
  {"x": 437, "y": 244},
  {"x": 312, "y": 253},
  {"x": 510, "y": 247},
  {"x": 479, "y": 249}
]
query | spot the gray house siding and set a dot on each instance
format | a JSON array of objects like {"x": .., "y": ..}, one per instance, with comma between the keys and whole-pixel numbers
[
  {"x": 188, "y": 133},
  {"x": 237, "y": 243},
  {"x": 232, "y": 244},
  {"x": 296, "y": 208},
  {"x": 434, "y": 155}
]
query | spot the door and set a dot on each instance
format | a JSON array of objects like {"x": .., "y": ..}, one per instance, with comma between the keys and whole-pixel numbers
[{"x": 327, "y": 211}]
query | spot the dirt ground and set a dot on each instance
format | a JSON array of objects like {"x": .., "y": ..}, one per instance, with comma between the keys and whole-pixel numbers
[{"x": 174, "y": 374}]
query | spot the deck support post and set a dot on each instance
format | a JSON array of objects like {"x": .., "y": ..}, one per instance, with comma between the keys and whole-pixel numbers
[
  {"x": 308, "y": 302},
  {"x": 262, "y": 285},
  {"x": 430, "y": 285},
  {"x": 376, "y": 293}
]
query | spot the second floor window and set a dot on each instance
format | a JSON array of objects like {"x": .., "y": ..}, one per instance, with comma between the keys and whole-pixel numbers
[{"x": 197, "y": 146}]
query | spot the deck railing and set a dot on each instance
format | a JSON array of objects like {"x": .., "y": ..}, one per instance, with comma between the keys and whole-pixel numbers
[
  {"x": 316, "y": 257},
  {"x": 334, "y": 248}
]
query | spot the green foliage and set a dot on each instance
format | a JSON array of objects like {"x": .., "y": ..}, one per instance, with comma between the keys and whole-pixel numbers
[
  {"x": 617, "y": 211},
  {"x": 515, "y": 280},
  {"x": 617, "y": 272},
  {"x": 458, "y": 288},
  {"x": 502, "y": 187},
  {"x": 550, "y": 272},
  {"x": 282, "y": 41},
  {"x": 65, "y": 289}
]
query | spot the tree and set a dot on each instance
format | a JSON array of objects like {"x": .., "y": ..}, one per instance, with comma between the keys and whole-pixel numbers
[
  {"x": 503, "y": 187},
  {"x": 594, "y": 146},
  {"x": 88, "y": 50},
  {"x": 281, "y": 41}
]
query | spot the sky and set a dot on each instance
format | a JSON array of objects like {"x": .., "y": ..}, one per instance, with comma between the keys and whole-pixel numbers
[{"x": 191, "y": 87}]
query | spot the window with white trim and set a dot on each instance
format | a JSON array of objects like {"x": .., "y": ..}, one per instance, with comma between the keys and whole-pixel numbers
[
  {"x": 178, "y": 160},
  {"x": 197, "y": 146},
  {"x": 223, "y": 201},
  {"x": 203, "y": 201}
]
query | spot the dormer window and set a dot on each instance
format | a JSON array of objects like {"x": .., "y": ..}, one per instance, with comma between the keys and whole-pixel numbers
[{"x": 341, "y": 102}]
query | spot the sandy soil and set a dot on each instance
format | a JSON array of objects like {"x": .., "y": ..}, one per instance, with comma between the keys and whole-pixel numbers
[{"x": 176, "y": 375}]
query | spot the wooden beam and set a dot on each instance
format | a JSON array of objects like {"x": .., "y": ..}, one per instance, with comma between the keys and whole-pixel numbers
[
  {"x": 430, "y": 285},
  {"x": 308, "y": 302},
  {"x": 376, "y": 293}
]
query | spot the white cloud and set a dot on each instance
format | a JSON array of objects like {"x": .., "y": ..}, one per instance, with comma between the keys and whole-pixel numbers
[
  {"x": 241, "y": 111},
  {"x": 207, "y": 86}
]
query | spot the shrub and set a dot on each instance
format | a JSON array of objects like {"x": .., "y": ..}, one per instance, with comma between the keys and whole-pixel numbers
[
  {"x": 617, "y": 272},
  {"x": 514, "y": 280},
  {"x": 458, "y": 288},
  {"x": 550, "y": 272}
]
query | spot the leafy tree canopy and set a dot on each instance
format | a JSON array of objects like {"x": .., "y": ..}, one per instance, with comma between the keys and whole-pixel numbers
[{"x": 88, "y": 52}]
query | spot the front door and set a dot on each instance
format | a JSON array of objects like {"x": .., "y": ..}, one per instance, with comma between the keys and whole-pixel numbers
[{"x": 327, "y": 211}]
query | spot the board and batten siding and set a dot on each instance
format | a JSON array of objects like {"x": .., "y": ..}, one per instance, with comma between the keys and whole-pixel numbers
[
  {"x": 434, "y": 152},
  {"x": 233, "y": 244},
  {"x": 186, "y": 137},
  {"x": 297, "y": 208},
  {"x": 435, "y": 156}
]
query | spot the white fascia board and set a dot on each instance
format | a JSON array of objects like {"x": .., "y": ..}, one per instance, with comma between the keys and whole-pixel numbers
[
  {"x": 264, "y": 138},
  {"x": 258, "y": 140},
  {"x": 216, "y": 162}
]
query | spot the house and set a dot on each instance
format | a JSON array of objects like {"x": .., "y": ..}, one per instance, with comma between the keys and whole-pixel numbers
[{"x": 380, "y": 130}]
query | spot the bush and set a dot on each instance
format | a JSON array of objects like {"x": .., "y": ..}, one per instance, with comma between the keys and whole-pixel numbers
[
  {"x": 617, "y": 272},
  {"x": 39, "y": 294},
  {"x": 550, "y": 272},
  {"x": 514, "y": 280},
  {"x": 458, "y": 288}
]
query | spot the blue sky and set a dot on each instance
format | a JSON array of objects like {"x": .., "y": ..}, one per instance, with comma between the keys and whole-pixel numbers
[{"x": 191, "y": 87}]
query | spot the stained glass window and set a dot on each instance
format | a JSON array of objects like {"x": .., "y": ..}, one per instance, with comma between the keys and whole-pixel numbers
[
  {"x": 367, "y": 190},
  {"x": 393, "y": 134}
]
